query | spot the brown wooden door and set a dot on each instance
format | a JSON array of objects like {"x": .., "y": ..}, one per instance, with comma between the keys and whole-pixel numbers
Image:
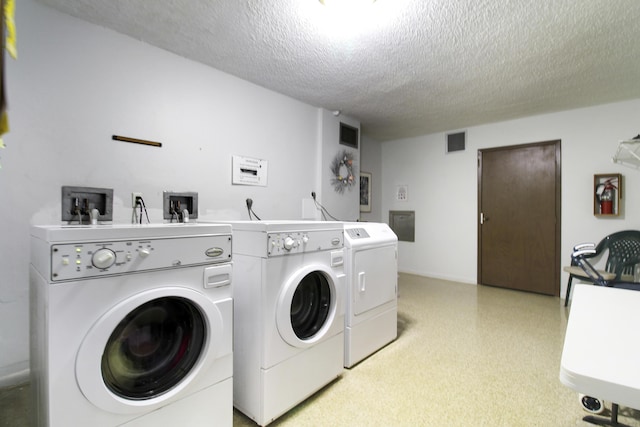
[{"x": 519, "y": 211}]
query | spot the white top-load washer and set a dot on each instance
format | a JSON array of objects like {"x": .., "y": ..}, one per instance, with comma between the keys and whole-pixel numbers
[
  {"x": 131, "y": 325},
  {"x": 288, "y": 313},
  {"x": 371, "y": 267}
]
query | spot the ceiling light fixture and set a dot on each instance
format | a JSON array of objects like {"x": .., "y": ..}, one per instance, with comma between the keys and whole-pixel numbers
[{"x": 348, "y": 19}]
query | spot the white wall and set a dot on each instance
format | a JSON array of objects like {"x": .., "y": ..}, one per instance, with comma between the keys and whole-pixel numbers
[
  {"x": 345, "y": 204},
  {"x": 75, "y": 85},
  {"x": 371, "y": 161},
  {"x": 443, "y": 187}
]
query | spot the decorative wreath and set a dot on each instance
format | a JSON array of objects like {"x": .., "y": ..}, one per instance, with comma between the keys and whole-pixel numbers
[{"x": 343, "y": 175}]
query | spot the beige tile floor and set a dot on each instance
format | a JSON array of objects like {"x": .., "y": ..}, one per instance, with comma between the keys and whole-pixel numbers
[{"x": 465, "y": 356}]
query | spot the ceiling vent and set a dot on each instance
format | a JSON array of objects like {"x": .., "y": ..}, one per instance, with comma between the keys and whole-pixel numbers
[{"x": 456, "y": 141}]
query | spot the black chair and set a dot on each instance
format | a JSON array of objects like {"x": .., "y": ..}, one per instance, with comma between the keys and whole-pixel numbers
[{"x": 623, "y": 252}]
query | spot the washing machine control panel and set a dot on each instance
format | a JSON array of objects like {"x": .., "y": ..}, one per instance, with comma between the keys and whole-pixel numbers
[
  {"x": 295, "y": 242},
  {"x": 103, "y": 258},
  {"x": 70, "y": 261}
]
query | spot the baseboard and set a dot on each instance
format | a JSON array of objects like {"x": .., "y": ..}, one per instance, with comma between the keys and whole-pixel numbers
[
  {"x": 15, "y": 374},
  {"x": 440, "y": 277}
]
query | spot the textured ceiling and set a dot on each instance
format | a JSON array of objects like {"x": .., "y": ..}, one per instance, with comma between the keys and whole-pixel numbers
[{"x": 402, "y": 67}]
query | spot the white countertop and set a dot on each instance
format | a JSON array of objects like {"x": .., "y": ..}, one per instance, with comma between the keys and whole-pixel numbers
[{"x": 601, "y": 354}]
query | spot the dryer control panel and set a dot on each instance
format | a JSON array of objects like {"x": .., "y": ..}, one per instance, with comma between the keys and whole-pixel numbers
[
  {"x": 285, "y": 243},
  {"x": 357, "y": 233},
  {"x": 70, "y": 261}
]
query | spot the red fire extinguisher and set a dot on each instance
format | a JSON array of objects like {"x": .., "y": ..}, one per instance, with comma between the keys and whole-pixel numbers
[{"x": 606, "y": 199}]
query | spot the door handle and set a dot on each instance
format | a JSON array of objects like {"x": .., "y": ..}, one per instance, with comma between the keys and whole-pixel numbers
[{"x": 483, "y": 218}]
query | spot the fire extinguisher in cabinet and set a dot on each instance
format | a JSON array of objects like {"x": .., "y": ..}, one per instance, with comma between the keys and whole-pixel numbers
[{"x": 607, "y": 197}]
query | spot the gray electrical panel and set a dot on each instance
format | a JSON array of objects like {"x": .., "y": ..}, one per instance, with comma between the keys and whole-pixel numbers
[{"x": 403, "y": 223}]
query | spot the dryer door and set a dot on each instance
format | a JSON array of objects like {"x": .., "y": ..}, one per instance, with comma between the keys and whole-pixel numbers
[
  {"x": 147, "y": 349},
  {"x": 307, "y": 306},
  {"x": 374, "y": 278}
]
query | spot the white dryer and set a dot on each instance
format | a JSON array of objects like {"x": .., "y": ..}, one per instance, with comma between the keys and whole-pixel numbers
[
  {"x": 288, "y": 315},
  {"x": 371, "y": 266},
  {"x": 131, "y": 325}
]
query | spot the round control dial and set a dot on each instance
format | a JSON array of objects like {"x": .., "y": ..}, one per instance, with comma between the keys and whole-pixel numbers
[
  {"x": 288, "y": 243},
  {"x": 103, "y": 258}
]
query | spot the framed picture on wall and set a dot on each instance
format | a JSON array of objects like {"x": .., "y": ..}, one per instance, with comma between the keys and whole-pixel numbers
[{"x": 365, "y": 192}]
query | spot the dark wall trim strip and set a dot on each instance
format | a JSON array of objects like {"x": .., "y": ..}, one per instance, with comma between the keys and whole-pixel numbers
[{"x": 136, "y": 141}]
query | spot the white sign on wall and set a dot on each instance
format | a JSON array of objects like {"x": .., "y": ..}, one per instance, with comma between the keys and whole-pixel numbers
[{"x": 248, "y": 171}]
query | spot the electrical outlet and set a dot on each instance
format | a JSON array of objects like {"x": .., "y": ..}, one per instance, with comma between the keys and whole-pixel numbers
[{"x": 134, "y": 197}]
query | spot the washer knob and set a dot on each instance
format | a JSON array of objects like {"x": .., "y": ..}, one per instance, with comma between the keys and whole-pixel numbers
[
  {"x": 144, "y": 252},
  {"x": 103, "y": 258},
  {"x": 305, "y": 238},
  {"x": 288, "y": 243}
]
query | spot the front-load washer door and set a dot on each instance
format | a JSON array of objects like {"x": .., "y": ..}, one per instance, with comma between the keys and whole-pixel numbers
[
  {"x": 147, "y": 349},
  {"x": 307, "y": 306}
]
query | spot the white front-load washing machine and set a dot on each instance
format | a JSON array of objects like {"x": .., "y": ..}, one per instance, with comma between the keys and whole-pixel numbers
[
  {"x": 132, "y": 325},
  {"x": 288, "y": 315},
  {"x": 371, "y": 266}
]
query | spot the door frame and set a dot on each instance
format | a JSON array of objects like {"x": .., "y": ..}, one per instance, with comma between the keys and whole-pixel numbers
[{"x": 557, "y": 143}]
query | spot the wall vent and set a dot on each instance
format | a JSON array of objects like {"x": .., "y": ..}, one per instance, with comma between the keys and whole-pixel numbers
[
  {"x": 456, "y": 141},
  {"x": 349, "y": 135}
]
